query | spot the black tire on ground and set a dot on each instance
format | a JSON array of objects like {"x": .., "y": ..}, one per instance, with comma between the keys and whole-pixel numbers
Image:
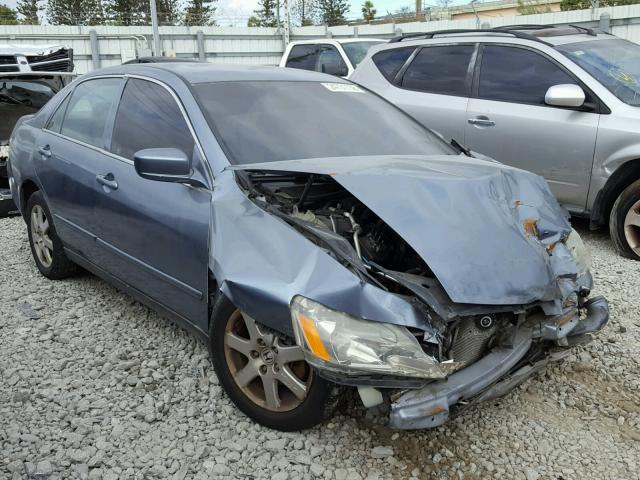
[
  {"x": 317, "y": 406},
  {"x": 60, "y": 266},
  {"x": 629, "y": 199}
]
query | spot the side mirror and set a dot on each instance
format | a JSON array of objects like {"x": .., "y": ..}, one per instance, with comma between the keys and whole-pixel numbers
[
  {"x": 336, "y": 69},
  {"x": 565, "y": 95},
  {"x": 163, "y": 164}
]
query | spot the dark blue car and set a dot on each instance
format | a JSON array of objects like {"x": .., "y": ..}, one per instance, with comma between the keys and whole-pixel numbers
[{"x": 309, "y": 232}]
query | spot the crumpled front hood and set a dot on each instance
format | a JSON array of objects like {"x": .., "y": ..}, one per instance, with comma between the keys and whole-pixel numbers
[{"x": 484, "y": 229}]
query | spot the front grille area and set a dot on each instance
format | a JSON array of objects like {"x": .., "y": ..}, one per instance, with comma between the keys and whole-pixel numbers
[
  {"x": 58, "y": 61},
  {"x": 8, "y": 63}
]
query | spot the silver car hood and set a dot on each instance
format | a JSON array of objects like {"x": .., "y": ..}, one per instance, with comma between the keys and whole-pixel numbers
[{"x": 490, "y": 233}]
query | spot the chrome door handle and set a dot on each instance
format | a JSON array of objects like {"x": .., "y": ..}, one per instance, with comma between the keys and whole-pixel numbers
[
  {"x": 107, "y": 180},
  {"x": 483, "y": 122},
  {"x": 45, "y": 151}
]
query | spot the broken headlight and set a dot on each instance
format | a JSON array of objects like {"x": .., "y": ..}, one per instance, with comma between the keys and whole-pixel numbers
[
  {"x": 579, "y": 251},
  {"x": 342, "y": 343}
]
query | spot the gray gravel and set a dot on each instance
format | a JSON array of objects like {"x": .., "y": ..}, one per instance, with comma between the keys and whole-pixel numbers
[{"x": 95, "y": 385}]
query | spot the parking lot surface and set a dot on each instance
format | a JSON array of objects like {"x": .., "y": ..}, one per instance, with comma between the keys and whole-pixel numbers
[{"x": 95, "y": 385}]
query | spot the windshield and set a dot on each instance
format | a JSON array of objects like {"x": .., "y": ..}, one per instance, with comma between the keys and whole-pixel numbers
[
  {"x": 356, "y": 51},
  {"x": 268, "y": 121},
  {"x": 614, "y": 63}
]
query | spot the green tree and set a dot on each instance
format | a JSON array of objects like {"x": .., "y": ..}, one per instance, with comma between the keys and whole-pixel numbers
[
  {"x": 253, "y": 21},
  {"x": 8, "y": 16},
  {"x": 331, "y": 12},
  {"x": 266, "y": 13},
  {"x": 75, "y": 12},
  {"x": 586, "y": 4},
  {"x": 368, "y": 12},
  {"x": 169, "y": 12},
  {"x": 303, "y": 12},
  {"x": 200, "y": 12},
  {"x": 28, "y": 10},
  {"x": 128, "y": 12}
]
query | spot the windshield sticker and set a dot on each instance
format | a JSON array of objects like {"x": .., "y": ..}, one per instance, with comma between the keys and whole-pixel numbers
[
  {"x": 342, "y": 87},
  {"x": 578, "y": 53}
]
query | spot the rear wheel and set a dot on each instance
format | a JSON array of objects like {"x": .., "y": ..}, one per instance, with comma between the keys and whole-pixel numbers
[
  {"x": 624, "y": 222},
  {"x": 46, "y": 247},
  {"x": 264, "y": 373}
]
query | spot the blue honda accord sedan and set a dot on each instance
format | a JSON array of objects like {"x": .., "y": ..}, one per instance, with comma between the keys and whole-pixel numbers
[{"x": 312, "y": 234}]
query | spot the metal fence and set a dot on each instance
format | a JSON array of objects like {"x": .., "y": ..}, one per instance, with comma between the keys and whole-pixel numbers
[{"x": 102, "y": 46}]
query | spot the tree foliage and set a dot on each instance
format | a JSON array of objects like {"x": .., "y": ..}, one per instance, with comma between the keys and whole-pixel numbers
[
  {"x": 532, "y": 7},
  {"x": 368, "y": 11},
  {"x": 586, "y": 4},
  {"x": 28, "y": 10},
  {"x": 303, "y": 12},
  {"x": 331, "y": 12},
  {"x": 8, "y": 16},
  {"x": 128, "y": 12},
  {"x": 200, "y": 12},
  {"x": 265, "y": 15},
  {"x": 75, "y": 12}
]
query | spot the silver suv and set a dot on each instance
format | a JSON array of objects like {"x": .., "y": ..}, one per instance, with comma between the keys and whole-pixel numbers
[{"x": 562, "y": 102}]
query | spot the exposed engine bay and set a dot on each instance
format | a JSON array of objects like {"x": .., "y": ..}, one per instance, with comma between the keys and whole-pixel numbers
[{"x": 331, "y": 217}]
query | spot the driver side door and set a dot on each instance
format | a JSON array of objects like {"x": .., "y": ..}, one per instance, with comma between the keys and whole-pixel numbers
[{"x": 507, "y": 119}]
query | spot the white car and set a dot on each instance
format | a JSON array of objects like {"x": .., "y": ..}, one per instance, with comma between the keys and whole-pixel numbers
[{"x": 337, "y": 57}]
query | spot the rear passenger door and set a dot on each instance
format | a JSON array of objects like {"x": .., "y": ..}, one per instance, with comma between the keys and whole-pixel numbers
[
  {"x": 434, "y": 86},
  {"x": 508, "y": 120},
  {"x": 155, "y": 235}
]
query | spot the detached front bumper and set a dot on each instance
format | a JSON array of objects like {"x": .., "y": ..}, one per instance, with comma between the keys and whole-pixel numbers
[{"x": 494, "y": 375}]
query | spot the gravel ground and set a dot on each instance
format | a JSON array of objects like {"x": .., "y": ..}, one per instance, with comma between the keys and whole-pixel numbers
[{"x": 95, "y": 385}]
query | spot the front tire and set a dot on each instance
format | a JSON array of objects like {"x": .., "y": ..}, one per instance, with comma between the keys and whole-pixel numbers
[
  {"x": 624, "y": 222},
  {"x": 46, "y": 247},
  {"x": 264, "y": 373}
]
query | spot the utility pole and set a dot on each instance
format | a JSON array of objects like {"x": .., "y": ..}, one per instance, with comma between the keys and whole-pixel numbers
[
  {"x": 157, "y": 48},
  {"x": 287, "y": 25},
  {"x": 418, "y": 9}
]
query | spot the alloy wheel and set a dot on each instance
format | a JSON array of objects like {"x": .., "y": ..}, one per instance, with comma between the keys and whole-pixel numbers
[
  {"x": 42, "y": 243},
  {"x": 632, "y": 227},
  {"x": 269, "y": 369}
]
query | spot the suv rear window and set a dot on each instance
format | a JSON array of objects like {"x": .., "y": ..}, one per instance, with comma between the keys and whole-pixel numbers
[
  {"x": 389, "y": 62},
  {"x": 441, "y": 70}
]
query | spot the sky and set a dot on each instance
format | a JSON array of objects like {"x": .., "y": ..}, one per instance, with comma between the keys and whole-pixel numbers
[{"x": 237, "y": 11}]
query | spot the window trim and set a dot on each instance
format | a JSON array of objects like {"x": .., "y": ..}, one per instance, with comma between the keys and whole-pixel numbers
[
  {"x": 600, "y": 107},
  {"x": 111, "y": 121},
  {"x": 397, "y": 81}
]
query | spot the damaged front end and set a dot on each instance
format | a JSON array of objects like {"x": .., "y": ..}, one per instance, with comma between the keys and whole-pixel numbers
[{"x": 467, "y": 276}]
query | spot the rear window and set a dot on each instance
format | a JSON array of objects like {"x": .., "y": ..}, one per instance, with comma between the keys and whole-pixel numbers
[
  {"x": 389, "y": 62},
  {"x": 441, "y": 70},
  {"x": 303, "y": 57}
]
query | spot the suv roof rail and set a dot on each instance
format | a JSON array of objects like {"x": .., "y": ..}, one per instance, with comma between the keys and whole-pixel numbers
[
  {"x": 534, "y": 26},
  {"x": 430, "y": 35}
]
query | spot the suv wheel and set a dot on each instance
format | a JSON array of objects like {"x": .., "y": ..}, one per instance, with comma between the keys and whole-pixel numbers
[
  {"x": 264, "y": 373},
  {"x": 624, "y": 222},
  {"x": 46, "y": 247}
]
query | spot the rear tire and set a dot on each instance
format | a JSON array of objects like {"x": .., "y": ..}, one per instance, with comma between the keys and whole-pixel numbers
[
  {"x": 46, "y": 247},
  {"x": 246, "y": 377}
]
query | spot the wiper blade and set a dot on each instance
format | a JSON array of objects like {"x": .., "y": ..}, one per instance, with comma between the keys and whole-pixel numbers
[{"x": 461, "y": 148}]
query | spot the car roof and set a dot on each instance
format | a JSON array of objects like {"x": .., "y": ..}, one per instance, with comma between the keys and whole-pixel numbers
[
  {"x": 338, "y": 40},
  {"x": 203, "y": 72},
  {"x": 551, "y": 35}
]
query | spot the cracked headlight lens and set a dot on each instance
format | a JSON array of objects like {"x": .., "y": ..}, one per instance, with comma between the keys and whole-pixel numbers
[
  {"x": 579, "y": 251},
  {"x": 342, "y": 343}
]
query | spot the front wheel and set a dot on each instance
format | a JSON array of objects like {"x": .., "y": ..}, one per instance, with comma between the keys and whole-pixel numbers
[
  {"x": 624, "y": 222},
  {"x": 264, "y": 373}
]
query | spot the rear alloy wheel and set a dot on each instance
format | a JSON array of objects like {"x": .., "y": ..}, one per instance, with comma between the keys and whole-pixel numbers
[
  {"x": 264, "y": 373},
  {"x": 624, "y": 222},
  {"x": 46, "y": 247}
]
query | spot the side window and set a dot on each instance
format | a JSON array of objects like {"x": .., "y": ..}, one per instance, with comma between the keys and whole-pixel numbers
[
  {"x": 303, "y": 57},
  {"x": 55, "y": 122},
  {"x": 89, "y": 108},
  {"x": 440, "y": 70},
  {"x": 149, "y": 117},
  {"x": 329, "y": 55},
  {"x": 389, "y": 62},
  {"x": 511, "y": 74}
]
